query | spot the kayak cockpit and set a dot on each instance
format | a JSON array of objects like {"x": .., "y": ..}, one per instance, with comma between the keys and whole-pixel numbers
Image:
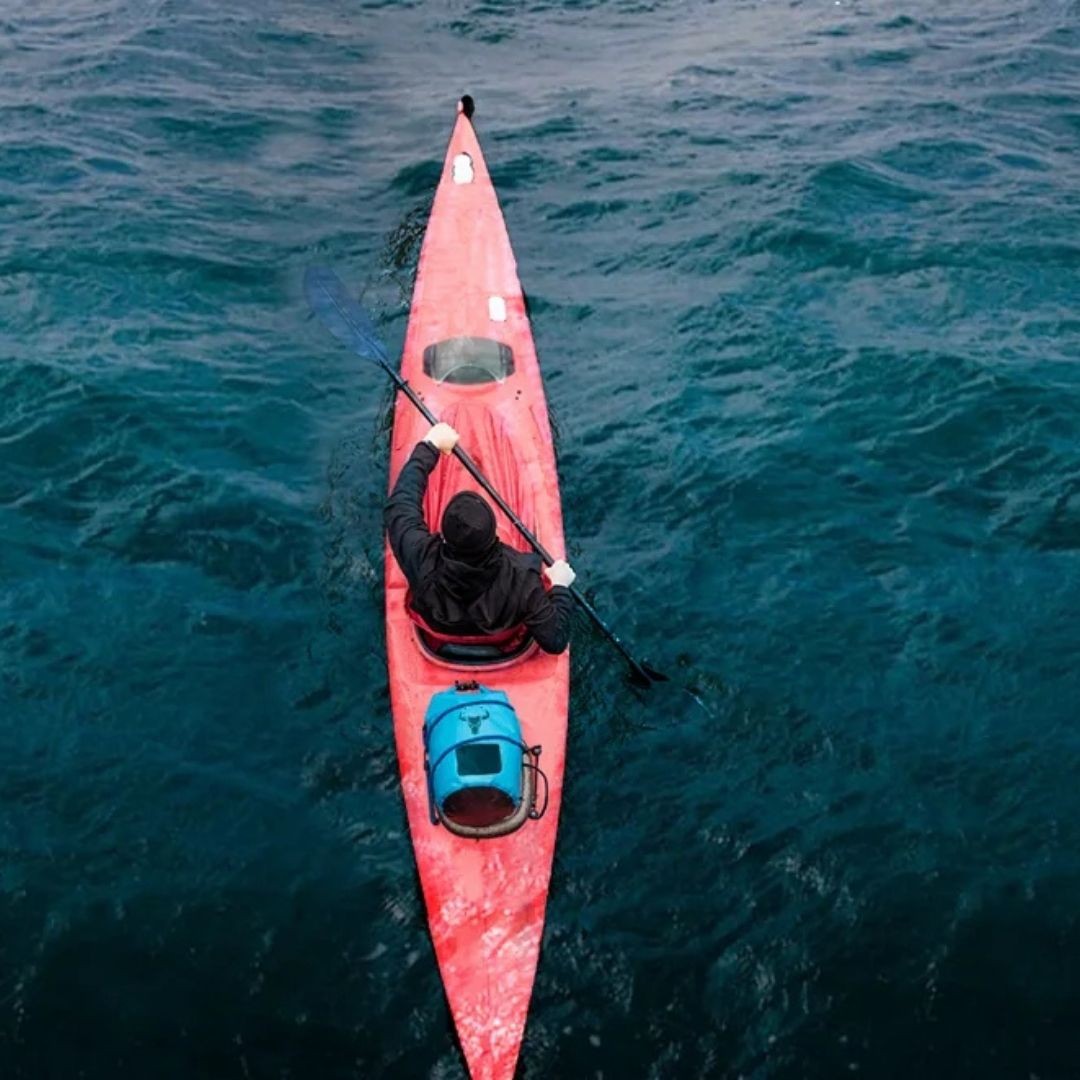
[{"x": 481, "y": 774}]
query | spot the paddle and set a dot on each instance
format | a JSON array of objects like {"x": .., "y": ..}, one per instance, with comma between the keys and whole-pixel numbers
[{"x": 352, "y": 326}]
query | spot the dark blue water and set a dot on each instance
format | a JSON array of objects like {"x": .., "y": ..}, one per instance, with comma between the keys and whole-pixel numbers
[{"x": 805, "y": 283}]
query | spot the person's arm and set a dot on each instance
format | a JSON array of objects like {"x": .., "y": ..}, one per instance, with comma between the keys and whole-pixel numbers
[
  {"x": 403, "y": 514},
  {"x": 549, "y": 615}
]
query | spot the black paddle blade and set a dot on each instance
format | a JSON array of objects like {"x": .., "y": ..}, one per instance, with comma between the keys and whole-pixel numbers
[
  {"x": 643, "y": 676},
  {"x": 656, "y": 676}
]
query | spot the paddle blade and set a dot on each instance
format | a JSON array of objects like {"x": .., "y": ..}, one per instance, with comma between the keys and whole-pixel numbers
[
  {"x": 342, "y": 315},
  {"x": 643, "y": 676}
]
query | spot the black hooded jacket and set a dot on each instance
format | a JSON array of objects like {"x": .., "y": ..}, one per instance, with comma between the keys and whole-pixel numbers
[{"x": 502, "y": 590}]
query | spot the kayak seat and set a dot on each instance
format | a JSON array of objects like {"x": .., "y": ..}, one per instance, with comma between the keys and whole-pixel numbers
[
  {"x": 473, "y": 649},
  {"x": 469, "y": 653}
]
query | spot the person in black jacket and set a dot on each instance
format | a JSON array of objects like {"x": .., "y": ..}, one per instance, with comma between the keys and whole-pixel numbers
[{"x": 464, "y": 580}]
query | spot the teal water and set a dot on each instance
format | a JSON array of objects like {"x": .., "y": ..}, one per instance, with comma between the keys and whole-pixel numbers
[{"x": 804, "y": 280}]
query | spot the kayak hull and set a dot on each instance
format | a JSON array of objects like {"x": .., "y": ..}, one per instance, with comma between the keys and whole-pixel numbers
[{"x": 485, "y": 899}]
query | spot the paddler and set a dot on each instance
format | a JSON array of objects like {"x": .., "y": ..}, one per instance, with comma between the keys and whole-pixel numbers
[{"x": 464, "y": 580}]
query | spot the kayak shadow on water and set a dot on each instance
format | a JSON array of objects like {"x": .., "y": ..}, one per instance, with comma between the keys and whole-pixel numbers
[
  {"x": 351, "y": 510},
  {"x": 401, "y": 251}
]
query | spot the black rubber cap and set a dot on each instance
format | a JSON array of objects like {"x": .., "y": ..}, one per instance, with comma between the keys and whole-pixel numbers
[{"x": 468, "y": 106}]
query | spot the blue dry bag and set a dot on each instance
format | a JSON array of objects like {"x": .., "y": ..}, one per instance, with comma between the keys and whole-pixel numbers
[{"x": 477, "y": 761}]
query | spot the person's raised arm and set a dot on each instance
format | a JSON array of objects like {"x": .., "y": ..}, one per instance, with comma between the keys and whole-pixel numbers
[{"x": 403, "y": 515}]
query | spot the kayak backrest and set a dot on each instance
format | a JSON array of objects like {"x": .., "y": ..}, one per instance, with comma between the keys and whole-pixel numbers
[{"x": 473, "y": 649}]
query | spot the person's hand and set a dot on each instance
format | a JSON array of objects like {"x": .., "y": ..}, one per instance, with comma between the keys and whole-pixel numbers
[
  {"x": 443, "y": 437},
  {"x": 559, "y": 573}
]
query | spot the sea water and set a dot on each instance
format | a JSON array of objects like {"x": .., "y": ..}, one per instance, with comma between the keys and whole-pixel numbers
[{"x": 804, "y": 283}]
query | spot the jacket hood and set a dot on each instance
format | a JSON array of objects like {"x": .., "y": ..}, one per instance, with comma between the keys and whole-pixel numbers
[{"x": 466, "y": 579}]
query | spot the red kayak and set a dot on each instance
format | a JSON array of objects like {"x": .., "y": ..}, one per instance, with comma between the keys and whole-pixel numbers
[{"x": 469, "y": 354}]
